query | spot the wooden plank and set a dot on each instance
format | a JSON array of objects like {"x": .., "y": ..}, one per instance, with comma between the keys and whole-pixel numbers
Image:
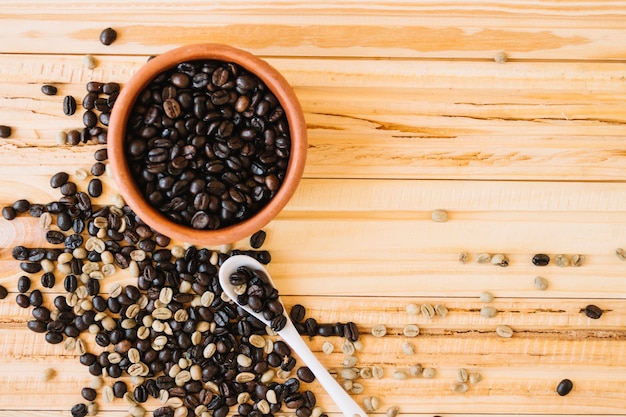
[
  {"x": 424, "y": 122},
  {"x": 424, "y": 29}
]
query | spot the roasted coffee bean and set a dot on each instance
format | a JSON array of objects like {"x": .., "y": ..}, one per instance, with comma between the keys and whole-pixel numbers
[
  {"x": 5, "y": 131},
  {"x": 564, "y": 387},
  {"x": 49, "y": 90},
  {"x": 68, "y": 189},
  {"x": 593, "y": 311},
  {"x": 73, "y": 137},
  {"x": 89, "y": 119},
  {"x": 95, "y": 187},
  {"x": 37, "y": 326},
  {"x": 35, "y": 298},
  {"x": 20, "y": 253},
  {"x": 47, "y": 280},
  {"x": 22, "y": 300},
  {"x": 97, "y": 169},
  {"x": 88, "y": 393},
  {"x": 64, "y": 221},
  {"x": 79, "y": 410},
  {"x": 59, "y": 179},
  {"x": 351, "y": 332},
  {"x": 165, "y": 412},
  {"x": 21, "y": 206},
  {"x": 3, "y": 292},
  {"x": 23, "y": 284},
  {"x": 30, "y": 267},
  {"x": 54, "y": 237},
  {"x": 541, "y": 259},
  {"x": 9, "y": 213},
  {"x": 119, "y": 389},
  {"x": 54, "y": 338},
  {"x": 41, "y": 314},
  {"x": 108, "y": 36},
  {"x": 305, "y": 374},
  {"x": 69, "y": 106},
  {"x": 257, "y": 239}
]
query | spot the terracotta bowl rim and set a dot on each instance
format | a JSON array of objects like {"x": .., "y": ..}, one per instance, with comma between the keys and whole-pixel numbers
[{"x": 117, "y": 133}]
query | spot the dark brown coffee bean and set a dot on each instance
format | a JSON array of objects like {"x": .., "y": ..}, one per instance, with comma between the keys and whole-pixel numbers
[
  {"x": 8, "y": 213},
  {"x": 305, "y": 374},
  {"x": 95, "y": 187},
  {"x": 88, "y": 393},
  {"x": 79, "y": 410},
  {"x": 30, "y": 267},
  {"x": 48, "y": 280},
  {"x": 23, "y": 284},
  {"x": 5, "y": 131},
  {"x": 3, "y": 292},
  {"x": 54, "y": 338},
  {"x": 257, "y": 239},
  {"x": 593, "y": 311},
  {"x": 68, "y": 189},
  {"x": 98, "y": 169},
  {"x": 164, "y": 412},
  {"x": 541, "y": 259},
  {"x": 49, "y": 90},
  {"x": 564, "y": 387},
  {"x": 351, "y": 332},
  {"x": 108, "y": 36},
  {"x": 89, "y": 119},
  {"x": 58, "y": 179},
  {"x": 69, "y": 106}
]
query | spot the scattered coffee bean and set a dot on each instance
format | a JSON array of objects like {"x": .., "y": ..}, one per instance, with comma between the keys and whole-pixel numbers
[
  {"x": 59, "y": 179},
  {"x": 483, "y": 258},
  {"x": 79, "y": 410},
  {"x": 108, "y": 36},
  {"x": 3, "y": 292},
  {"x": 439, "y": 216},
  {"x": 428, "y": 311},
  {"x": 305, "y": 374},
  {"x": 379, "y": 330},
  {"x": 69, "y": 106},
  {"x": 429, "y": 373},
  {"x": 411, "y": 330},
  {"x": 541, "y": 259},
  {"x": 23, "y": 284},
  {"x": 564, "y": 387},
  {"x": 89, "y": 61},
  {"x": 463, "y": 257},
  {"x": 500, "y": 260},
  {"x": 621, "y": 254},
  {"x": 578, "y": 260},
  {"x": 541, "y": 283},
  {"x": 441, "y": 310},
  {"x": 9, "y": 213},
  {"x": 257, "y": 239},
  {"x": 5, "y": 131},
  {"x": 486, "y": 297},
  {"x": 460, "y": 387},
  {"x": 49, "y": 90},
  {"x": 561, "y": 260},
  {"x": 88, "y": 393},
  {"x": 95, "y": 188},
  {"x": 412, "y": 309},
  {"x": 392, "y": 411},
  {"x": 488, "y": 312},
  {"x": 475, "y": 378},
  {"x": 504, "y": 331},
  {"x": 462, "y": 375},
  {"x": 593, "y": 311}
]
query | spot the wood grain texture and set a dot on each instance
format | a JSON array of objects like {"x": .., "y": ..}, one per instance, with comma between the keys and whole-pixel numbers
[{"x": 407, "y": 111}]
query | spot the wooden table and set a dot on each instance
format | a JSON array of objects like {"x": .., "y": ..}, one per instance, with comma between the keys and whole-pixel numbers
[{"x": 507, "y": 115}]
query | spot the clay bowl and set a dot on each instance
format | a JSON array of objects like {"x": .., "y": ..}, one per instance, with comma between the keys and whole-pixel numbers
[{"x": 119, "y": 163}]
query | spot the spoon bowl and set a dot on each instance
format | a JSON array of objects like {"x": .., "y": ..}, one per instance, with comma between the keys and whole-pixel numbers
[{"x": 291, "y": 336}]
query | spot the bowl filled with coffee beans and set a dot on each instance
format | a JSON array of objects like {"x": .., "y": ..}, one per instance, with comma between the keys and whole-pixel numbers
[{"x": 207, "y": 143}]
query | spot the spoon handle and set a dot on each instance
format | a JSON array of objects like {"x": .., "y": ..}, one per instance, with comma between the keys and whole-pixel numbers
[{"x": 346, "y": 404}]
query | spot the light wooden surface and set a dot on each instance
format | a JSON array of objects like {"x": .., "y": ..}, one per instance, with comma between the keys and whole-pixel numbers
[{"x": 407, "y": 111}]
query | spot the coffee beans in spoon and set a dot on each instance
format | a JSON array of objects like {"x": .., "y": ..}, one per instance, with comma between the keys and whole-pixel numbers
[
  {"x": 255, "y": 290},
  {"x": 208, "y": 144}
]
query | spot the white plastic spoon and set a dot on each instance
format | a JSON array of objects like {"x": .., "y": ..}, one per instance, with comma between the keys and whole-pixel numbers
[{"x": 291, "y": 336}]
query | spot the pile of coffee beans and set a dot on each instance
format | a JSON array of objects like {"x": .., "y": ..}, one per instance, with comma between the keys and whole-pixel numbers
[
  {"x": 173, "y": 331},
  {"x": 254, "y": 289},
  {"x": 208, "y": 143}
]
